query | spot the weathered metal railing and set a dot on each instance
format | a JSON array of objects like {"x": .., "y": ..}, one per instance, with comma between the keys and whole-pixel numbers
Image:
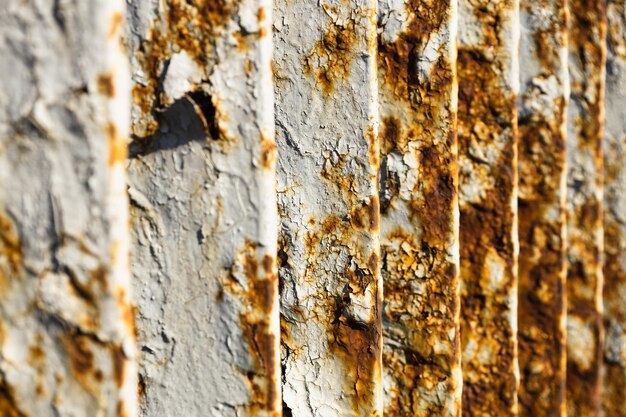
[{"x": 332, "y": 208}]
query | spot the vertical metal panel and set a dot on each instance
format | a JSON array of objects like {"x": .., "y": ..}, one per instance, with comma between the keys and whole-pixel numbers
[
  {"x": 488, "y": 86},
  {"x": 204, "y": 217},
  {"x": 542, "y": 193},
  {"x": 326, "y": 117},
  {"x": 419, "y": 207},
  {"x": 585, "y": 118},
  {"x": 66, "y": 323},
  {"x": 614, "y": 371}
]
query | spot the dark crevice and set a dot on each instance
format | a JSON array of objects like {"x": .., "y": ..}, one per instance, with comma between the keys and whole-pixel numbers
[
  {"x": 205, "y": 103},
  {"x": 180, "y": 124}
]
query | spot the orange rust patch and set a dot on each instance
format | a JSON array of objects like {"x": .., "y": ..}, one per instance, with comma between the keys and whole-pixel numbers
[
  {"x": 268, "y": 152},
  {"x": 116, "y": 22},
  {"x": 117, "y": 146},
  {"x": 10, "y": 245},
  {"x": 259, "y": 300},
  {"x": 119, "y": 364},
  {"x": 106, "y": 86},
  {"x": 8, "y": 402},
  {"x": 331, "y": 57}
]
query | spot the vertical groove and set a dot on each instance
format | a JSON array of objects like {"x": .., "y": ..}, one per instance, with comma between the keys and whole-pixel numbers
[{"x": 418, "y": 188}]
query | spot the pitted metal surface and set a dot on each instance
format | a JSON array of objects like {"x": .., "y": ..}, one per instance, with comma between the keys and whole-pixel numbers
[
  {"x": 488, "y": 71},
  {"x": 585, "y": 120},
  {"x": 614, "y": 370},
  {"x": 66, "y": 320},
  {"x": 542, "y": 192},
  {"x": 418, "y": 188},
  {"x": 203, "y": 207},
  {"x": 326, "y": 118}
]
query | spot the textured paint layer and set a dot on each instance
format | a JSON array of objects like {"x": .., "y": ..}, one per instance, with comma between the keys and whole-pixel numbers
[
  {"x": 204, "y": 217},
  {"x": 488, "y": 86},
  {"x": 66, "y": 322},
  {"x": 419, "y": 207},
  {"x": 326, "y": 118},
  {"x": 614, "y": 372},
  {"x": 585, "y": 118},
  {"x": 542, "y": 192}
]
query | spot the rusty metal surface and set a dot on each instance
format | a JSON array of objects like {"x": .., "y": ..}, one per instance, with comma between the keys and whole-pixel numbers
[
  {"x": 487, "y": 122},
  {"x": 585, "y": 118},
  {"x": 326, "y": 118},
  {"x": 614, "y": 371},
  {"x": 544, "y": 94},
  {"x": 419, "y": 207},
  {"x": 66, "y": 322},
  {"x": 203, "y": 207}
]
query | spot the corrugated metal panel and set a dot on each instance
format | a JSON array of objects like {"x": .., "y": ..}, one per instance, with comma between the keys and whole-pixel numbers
[
  {"x": 204, "y": 217},
  {"x": 419, "y": 207},
  {"x": 614, "y": 375},
  {"x": 326, "y": 118},
  {"x": 488, "y": 87},
  {"x": 542, "y": 192},
  {"x": 587, "y": 55},
  {"x": 66, "y": 325}
]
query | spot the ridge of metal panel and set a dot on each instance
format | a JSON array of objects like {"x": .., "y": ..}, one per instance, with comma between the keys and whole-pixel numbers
[
  {"x": 585, "y": 120},
  {"x": 418, "y": 188},
  {"x": 614, "y": 370},
  {"x": 542, "y": 218},
  {"x": 331, "y": 294},
  {"x": 67, "y": 345},
  {"x": 488, "y": 71},
  {"x": 203, "y": 207}
]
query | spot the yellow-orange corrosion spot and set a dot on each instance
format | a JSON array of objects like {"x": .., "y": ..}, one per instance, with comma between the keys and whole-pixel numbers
[
  {"x": 116, "y": 22},
  {"x": 268, "y": 152},
  {"x": 331, "y": 57},
  {"x": 117, "y": 146},
  {"x": 106, "y": 86}
]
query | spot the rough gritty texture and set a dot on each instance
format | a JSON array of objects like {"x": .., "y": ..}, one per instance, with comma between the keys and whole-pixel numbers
[
  {"x": 488, "y": 86},
  {"x": 614, "y": 375},
  {"x": 325, "y": 70},
  {"x": 419, "y": 207},
  {"x": 585, "y": 118},
  {"x": 204, "y": 218},
  {"x": 66, "y": 325},
  {"x": 542, "y": 193}
]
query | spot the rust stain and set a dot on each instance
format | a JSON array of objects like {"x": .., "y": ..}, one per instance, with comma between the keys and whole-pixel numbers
[
  {"x": 488, "y": 117},
  {"x": 331, "y": 57},
  {"x": 587, "y": 36},
  {"x": 119, "y": 365},
  {"x": 117, "y": 145},
  {"x": 187, "y": 25},
  {"x": 260, "y": 302},
  {"x": 117, "y": 19},
  {"x": 421, "y": 355},
  {"x": 269, "y": 152},
  {"x": 106, "y": 85},
  {"x": 8, "y": 403},
  {"x": 10, "y": 244},
  {"x": 541, "y": 288}
]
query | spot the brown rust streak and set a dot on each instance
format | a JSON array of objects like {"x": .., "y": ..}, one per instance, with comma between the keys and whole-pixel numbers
[
  {"x": 542, "y": 247},
  {"x": 8, "y": 403},
  {"x": 420, "y": 280},
  {"x": 488, "y": 116},
  {"x": 587, "y": 33},
  {"x": 614, "y": 375},
  {"x": 260, "y": 303}
]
